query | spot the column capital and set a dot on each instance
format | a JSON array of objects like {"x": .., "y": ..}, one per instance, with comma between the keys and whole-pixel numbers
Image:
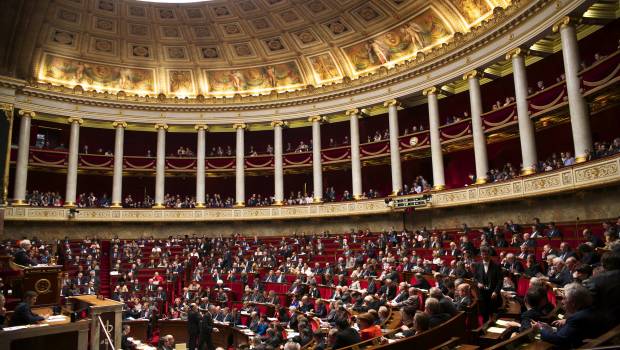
[
  {"x": 161, "y": 126},
  {"x": 472, "y": 74},
  {"x": 317, "y": 118},
  {"x": 352, "y": 111},
  {"x": 75, "y": 120},
  {"x": 279, "y": 123},
  {"x": 564, "y": 22},
  {"x": 429, "y": 91},
  {"x": 26, "y": 113},
  {"x": 240, "y": 126},
  {"x": 515, "y": 53},
  {"x": 119, "y": 124},
  {"x": 7, "y": 107},
  {"x": 392, "y": 102},
  {"x": 204, "y": 127}
]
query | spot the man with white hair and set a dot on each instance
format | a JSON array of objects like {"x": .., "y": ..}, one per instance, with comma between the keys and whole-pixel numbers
[
  {"x": 561, "y": 274},
  {"x": 21, "y": 256},
  {"x": 167, "y": 343},
  {"x": 582, "y": 322}
]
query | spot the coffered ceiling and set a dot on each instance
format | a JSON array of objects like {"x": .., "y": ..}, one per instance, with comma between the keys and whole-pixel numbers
[{"x": 246, "y": 47}]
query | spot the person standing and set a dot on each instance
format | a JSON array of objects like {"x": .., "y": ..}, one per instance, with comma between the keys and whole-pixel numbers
[
  {"x": 488, "y": 275},
  {"x": 206, "y": 329},
  {"x": 193, "y": 326}
]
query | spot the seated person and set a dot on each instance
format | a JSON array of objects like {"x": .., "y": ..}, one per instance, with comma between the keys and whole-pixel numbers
[
  {"x": 435, "y": 314},
  {"x": 368, "y": 328},
  {"x": 23, "y": 315},
  {"x": 421, "y": 323},
  {"x": 581, "y": 323},
  {"x": 345, "y": 336}
]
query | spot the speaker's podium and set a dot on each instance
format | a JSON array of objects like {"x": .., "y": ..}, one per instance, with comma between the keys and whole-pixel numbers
[
  {"x": 104, "y": 314},
  {"x": 43, "y": 279}
]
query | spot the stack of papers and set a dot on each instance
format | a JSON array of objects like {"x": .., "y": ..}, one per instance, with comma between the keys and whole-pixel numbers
[{"x": 497, "y": 330}]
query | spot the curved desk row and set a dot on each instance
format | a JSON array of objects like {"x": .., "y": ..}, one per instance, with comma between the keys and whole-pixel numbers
[{"x": 226, "y": 337}]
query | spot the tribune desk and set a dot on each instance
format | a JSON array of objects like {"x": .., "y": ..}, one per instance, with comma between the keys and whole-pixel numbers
[
  {"x": 111, "y": 314},
  {"x": 60, "y": 334}
]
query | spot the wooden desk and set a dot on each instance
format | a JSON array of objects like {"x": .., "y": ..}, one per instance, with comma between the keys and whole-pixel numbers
[
  {"x": 111, "y": 313},
  {"x": 178, "y": 329},
  {"x": 43, "y": 337}
]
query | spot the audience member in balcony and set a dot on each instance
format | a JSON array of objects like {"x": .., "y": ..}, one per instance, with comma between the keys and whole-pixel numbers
[
  {"x": 269, "y": 149},
  {"x": 346, "y": 196},
  {"x": 229, "y": 151},
  {"x": 345, "y": 141},
  {"x": 252, "y": 152},
  {"x": 553, "y": 231},
  {"x": 219, "y": 152}
]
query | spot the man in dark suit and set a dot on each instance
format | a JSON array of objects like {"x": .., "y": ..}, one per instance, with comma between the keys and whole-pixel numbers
[
  {"x": 582, "y": 322},
  {"x": 23, "y": 315},
  {"x": 346, "y": 335},
  {"x": 193, "y": 326},
  {"x": 21, "y": 256},
  {"x": 206, "y": 328},
  {"x": 388, "y": 290},
  {"x": 488, "y": 275},
  {"x": 125, "y": 343}
]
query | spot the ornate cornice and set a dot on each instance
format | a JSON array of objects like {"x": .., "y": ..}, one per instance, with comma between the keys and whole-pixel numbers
[
  {"x": 317, "y": 118},
  {"x": 353, "y": 112},
  {"x": 201, "y": 127},
  {"x": 580, "y": 176},
  {"x": 458, "y": 47},
  {"x": 240, "y": 126}
]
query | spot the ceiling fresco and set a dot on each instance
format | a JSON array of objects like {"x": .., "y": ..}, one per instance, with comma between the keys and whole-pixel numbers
[{"x": 247, "y": 47}]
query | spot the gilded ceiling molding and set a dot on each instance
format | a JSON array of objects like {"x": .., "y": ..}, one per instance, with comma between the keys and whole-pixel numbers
[{"x": 452, "y": 53}]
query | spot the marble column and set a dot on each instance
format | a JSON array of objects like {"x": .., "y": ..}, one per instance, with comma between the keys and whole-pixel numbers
[
  {"x": 160, "y": 166},
  {"x": 278, "y": 175},
  {"x": 21, "y": 168},
  {"x": 8, "y": 110},
  {"x": 117, "y": 176},
  {"x": 579, "y": 115},
  {"x": 480, "y": 140},
  {"x": 527, "y": 135},
  {"x": 200, "y": 165},
  {"x": 317, "y": 167},
  {"x": 356, "y": 163},
  {"x": 72, "y": 166},
  {"x": 397, "y": 178},
  {"x": 240, "y": 165},
  {"x": 439, "y": 182}
]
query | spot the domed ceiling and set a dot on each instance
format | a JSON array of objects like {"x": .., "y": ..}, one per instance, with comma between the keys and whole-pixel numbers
[{"x": 246, "y": 47}]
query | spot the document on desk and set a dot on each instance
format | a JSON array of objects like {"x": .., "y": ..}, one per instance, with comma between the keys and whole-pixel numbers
[
  {"x": 497, "y": 330},
  {"x": 57, "y": 318}
]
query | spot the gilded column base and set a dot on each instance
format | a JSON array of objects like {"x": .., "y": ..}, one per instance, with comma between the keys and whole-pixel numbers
[
  {"x": 439, "y": 187},
  {"x": 581, "y": 159},
  {"x": 19, "y": 203},
  {"x": 69, "y": 205},
  {"x": 239, "y": 205},
  {"x": 357, "y": 197},
  {"x": 158, "y": 206},
  {"x": 394, "y": 193},
  {"x": 200, "y": 205},
  {"x": 317, "y": 200},
  {"x": 481, "y": 181},
  {"x": 528, "y": 171},
  {"x": 278, "y": 203},
  {"x": 116, "y": 205}
]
